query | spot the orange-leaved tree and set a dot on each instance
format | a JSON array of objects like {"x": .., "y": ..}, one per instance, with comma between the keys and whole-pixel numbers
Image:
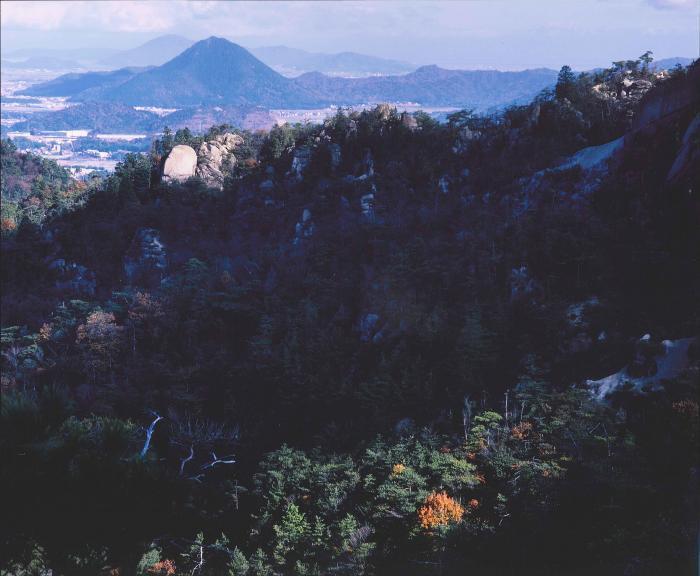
[{"x": 439, "y": 510}]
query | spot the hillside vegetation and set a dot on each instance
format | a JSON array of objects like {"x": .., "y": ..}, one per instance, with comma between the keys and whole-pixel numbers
[{"x": 367, "y": 352}]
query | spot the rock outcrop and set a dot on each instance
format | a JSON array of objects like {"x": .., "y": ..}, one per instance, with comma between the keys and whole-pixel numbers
[
  {"x": 688, "y": 157},
  {"x": 409, "y": 121},
  {"x": 212, "y": 161},
  {"x": 215, "y": 158},
  {"x": 74, "y": 278},
  {"x": 523, "y": 286},
  {"x": 367, "y": 207},
  {"x": 669, "y": 97},
  {"x": 180, "y": 164},
  {"x": 463, "y": 139},
  {"x": 300, "y": 161},
  {"x": 335, "y": 152},
  {"x": 595, "y": 157},
  {"x": 627, "y": 88},
  {"x": 146, "y": 259},
  {"x": 653, "y": 363},
  {"x": 369, "y": 327},
  {"x": 304, "y": 228}
]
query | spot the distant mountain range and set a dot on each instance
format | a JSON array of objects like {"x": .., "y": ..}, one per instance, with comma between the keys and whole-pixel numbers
[
  {"x": 78, "y": 55},
  {"x": 153, "y": 53},
  {"x": 287, "y": 61},
  {"x": 211, "y": 72},
  {"x": 216, "y": 72},
  {"x": 668, "y": 63},
  {"x": 83, "y": 85},
  {"x": 283, "y": 59},
  {"x": 290, "y": 62},
  {"x": 433, "y": 86},
  {"x": 99, "y": 116},
  {"x": 294, "y": 62},
  {"x": 43, "y": 63},
  {"x": 115, "y": 117}
]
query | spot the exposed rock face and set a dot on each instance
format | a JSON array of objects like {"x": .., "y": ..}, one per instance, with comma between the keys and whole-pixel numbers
[
  {"x": 369, "y": 325},
  {"x": 644, "y": 363},
  {"x": 653, "y": 363},
  {"x": 576, "y": 314},
  {"x": 266, "y": 186},
  {"x": 304, "y": 228},
  {"x": 367, "y": 166},
  {"x": 215, "y": 158},
  {"x": 578, "y": 336},
  {"x": 534, "y": 116},
  {"x": 147, "y": 259},
  {"x": 336, "y": 155},
  {"x": 409, "y": 121},
  {"x": 74, "y": 278},
  {"x": 384, "y": 111},
  {"x": 669, "y": 97},
  {"x": 688, "y": 158},
  {"x": 367, "y": 207},
  {"x": 463, "y": 139},
  {"x": 181, "y": 164},
  {"x": 595, "y": 157},
  {"x": 522, "y": 285},
  {"x": 627, "y": 88},
  {"x": 300, "y": 162},
  {"x": 444, "y": 184}
]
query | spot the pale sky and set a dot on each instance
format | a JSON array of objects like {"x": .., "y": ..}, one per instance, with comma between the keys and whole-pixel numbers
[{"x": 505, "y": 34}]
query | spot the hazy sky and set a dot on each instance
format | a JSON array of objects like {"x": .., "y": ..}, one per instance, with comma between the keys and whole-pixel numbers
[{"x": 506, "y": 34}]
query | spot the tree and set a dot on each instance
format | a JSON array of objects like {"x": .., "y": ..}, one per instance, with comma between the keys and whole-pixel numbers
[
  {"x": 167, "y": 141},
  {"x": 134, "y": 176},
  {"x": 184, "y": 136},
  {"x": 239, "y": 565},
  {"x": 439, "y": 511},
  {"x": 100, "y": 337},
  {"x": 278, "y": 140},
  {"x": 290, "y": 533},
  {"x": 566, "y": 84}
]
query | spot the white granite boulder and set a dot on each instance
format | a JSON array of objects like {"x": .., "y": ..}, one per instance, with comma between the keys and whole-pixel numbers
[{"x": 180, "y": 164}]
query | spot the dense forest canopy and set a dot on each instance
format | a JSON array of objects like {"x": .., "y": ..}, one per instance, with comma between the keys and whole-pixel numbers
[{"x": 367, "y": 352}]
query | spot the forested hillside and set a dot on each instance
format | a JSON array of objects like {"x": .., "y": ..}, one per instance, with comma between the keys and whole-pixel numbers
[{"x": 370, "y": 350}]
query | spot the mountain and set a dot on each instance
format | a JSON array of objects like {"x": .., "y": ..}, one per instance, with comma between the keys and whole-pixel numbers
[
  {"x": 199, "y": 119},
  {"x": 293, "y": 62},
  {"x": 667, "y": 63},
  {"x": 153, "y": 53},
  {"x": 116, "y": 117},
  {"x": 44, "y": 63},
  {"x": 75, "y": 84},
  {"x": 433, "y": 86},
  {"x": 216, "y": 72},
  {"x": 100, "y": 116},
  {"x": 213, "y": 71},
  {"x": 85, "y": 54}
]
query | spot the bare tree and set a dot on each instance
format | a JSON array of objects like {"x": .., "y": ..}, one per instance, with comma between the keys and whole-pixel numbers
[
  {"x": 187, "y": 459},
  {"x": 466, "y": 416},
  {"x": 149, "y": 434},
  {"x": 216, "y": 461}
]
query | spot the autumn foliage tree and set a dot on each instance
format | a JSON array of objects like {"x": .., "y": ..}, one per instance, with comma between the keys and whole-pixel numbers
[
  {"x": 100, "y": 336},
  {"x": 439, "y": 510}
]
